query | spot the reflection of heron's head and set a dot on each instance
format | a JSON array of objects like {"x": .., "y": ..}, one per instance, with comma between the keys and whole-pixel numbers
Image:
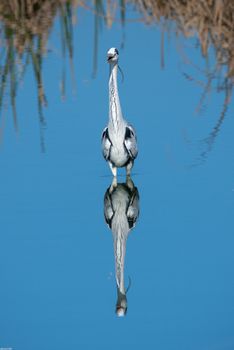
[
  {"x": 112, "y": 55},
  {"x": 121, "y": 305},
  {"x": 121, "y": 311}
]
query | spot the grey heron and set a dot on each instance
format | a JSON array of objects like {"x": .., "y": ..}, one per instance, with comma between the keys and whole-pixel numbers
[
  {"x": 121, "y": 210},
  {"x": 119, "y": 142}
]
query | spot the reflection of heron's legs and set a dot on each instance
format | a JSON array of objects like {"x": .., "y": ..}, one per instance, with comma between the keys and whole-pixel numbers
[
  {"x": 129, "y": 182},
  {"x": 114, "y": 184},
  {"x": 113, "y": 169}
]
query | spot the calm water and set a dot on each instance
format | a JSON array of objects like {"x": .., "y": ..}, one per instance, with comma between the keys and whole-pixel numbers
[{"x": 58, "y": 287}]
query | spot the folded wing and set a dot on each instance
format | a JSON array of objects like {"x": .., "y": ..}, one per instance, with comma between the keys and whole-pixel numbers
[
  {"x": 106, "y": 144},
  {"x": 130, "y": 142}
]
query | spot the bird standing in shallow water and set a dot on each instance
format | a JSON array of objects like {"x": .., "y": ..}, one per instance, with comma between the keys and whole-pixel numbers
[{"x": 119, "y": 144}]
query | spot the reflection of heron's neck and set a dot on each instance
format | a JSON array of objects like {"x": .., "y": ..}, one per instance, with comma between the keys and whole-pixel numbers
[
  {"x": 120, "y": 233},
  {"x": 115, "y": 113}
]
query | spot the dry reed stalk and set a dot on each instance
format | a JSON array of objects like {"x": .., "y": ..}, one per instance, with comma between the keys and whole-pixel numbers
[
  {"x": 24, "y": 29},
  {"x": 26, "y": 24},
  {"x": 211, "y": 20}
]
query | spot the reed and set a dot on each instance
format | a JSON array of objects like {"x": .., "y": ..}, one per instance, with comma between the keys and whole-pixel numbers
[
  {"x": 211, "y": 22},
  {"x": 25, "y": 26}
]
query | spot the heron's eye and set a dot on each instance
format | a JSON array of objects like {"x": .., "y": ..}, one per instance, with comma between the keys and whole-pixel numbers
[{"x": 116, "y": 51}]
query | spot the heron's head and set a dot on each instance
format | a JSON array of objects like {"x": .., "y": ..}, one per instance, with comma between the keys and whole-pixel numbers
[{"x": 112, "y": 55}]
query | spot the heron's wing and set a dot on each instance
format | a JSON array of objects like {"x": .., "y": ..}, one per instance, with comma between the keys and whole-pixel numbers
[
  {"x": 130, "y": 141},
  {"x": 106, "y": 144},
  {"x": 108, "y": 209},
  {"x": 133, "y": 208}
]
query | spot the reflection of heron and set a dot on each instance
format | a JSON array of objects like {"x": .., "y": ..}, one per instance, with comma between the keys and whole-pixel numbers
[
  {"x": 119, "y": 145},
  {"x": 121, "y": 209}
]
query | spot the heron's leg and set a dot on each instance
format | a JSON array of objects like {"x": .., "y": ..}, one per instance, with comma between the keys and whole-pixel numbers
[
  {"x": 129, "y": 167},
  {"x": 113, "y": 169},
  {"x": 129, "y": 182}
]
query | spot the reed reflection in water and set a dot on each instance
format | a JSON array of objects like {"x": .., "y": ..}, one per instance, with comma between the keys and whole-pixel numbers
[
  {"x": 121, "y": 210},
  {"x": 26, "y": 25},
  {"x": 24, "y": 31}
]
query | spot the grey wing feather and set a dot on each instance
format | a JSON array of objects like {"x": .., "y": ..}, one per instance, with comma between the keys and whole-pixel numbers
[
  {"x": 133, "y": 209},
  {"x": 108, "y": 209},
  {"x": 131, "y": 141},
  {"x": 106, "y": 144}
]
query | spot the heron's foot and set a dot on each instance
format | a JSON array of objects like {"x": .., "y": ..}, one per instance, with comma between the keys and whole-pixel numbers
[{"x": 113, "y": 169}]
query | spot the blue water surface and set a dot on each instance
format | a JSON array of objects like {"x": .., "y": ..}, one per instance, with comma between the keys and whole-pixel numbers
[{"x": 57, "y": 264}]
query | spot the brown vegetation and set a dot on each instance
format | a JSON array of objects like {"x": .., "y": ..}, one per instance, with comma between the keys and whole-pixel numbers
[
  {"x": 25, "y": 26},
  {"x": 212, "y": 21},
  {"x": 27, "y": 18},
  {"x": 24, "y": 30}
]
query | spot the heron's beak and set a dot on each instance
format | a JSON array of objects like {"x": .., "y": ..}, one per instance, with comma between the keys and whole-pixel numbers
[{"x": 109, "y": 57}]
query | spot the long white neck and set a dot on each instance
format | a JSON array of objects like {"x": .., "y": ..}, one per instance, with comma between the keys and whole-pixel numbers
[{"x": 115, "y": 113}]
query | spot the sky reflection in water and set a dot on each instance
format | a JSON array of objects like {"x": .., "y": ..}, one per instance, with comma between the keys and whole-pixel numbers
[{"x": 57, "y": 263}]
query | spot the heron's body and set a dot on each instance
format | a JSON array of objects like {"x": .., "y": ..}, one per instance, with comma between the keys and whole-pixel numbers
[{"x": 119, "y": 144}]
